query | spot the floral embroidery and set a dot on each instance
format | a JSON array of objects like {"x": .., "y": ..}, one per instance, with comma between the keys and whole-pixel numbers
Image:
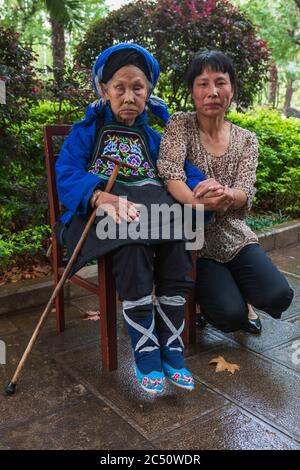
[
  {"x": 155, "y": 382},
  {"x": 182, "y": 378},
  {"x": 145, "y": 381},
  {"x": 127, "y": 148},
  {"x": 187, "y": 379},
  {"x": 110, "y": 147},
  {"x": 135, "y": 149},
  {"x": 151, "y": 383}
]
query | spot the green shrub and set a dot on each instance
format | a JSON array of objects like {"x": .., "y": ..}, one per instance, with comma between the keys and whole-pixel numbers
[
  {"x": 278, "y": 172},
  {"x": 173, "y": 30},
  {"x": 23, "y": 186},
  {"x": 22, "y": 88},
  {"x": 27, "y": 242}
]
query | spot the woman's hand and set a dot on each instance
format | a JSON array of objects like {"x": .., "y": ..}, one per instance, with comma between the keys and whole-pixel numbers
[
  {"x": 219, "y": 203},
  {"x": 228, "y": 199},
  {"x": 117, "y": 207},
  {"x": 208, "y": 188}
]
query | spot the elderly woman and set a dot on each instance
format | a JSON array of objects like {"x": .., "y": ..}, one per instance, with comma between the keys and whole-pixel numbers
[
  {"x": 124, "y": 77},
  {"x": 233, "y": 272}
]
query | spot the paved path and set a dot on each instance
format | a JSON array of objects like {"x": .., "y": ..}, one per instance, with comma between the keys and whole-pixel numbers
[{"x": 66, "y": 401}]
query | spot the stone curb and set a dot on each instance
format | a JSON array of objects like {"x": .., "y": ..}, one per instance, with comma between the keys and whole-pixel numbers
[
  {"x": 282, "y": 235},
  {"x": 34, "y": 292}
]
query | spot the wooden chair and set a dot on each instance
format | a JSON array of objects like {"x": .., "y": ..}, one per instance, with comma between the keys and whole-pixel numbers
[
  {"x": 189, "y": 334},
  {"x": 105, "y": 289}
]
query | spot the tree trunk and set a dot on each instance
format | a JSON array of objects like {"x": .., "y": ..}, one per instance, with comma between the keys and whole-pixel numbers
[
  {"x": 288, "y": 94},
  {"x": 58, "y": 49},
  {"x": 273, "y": 81}
]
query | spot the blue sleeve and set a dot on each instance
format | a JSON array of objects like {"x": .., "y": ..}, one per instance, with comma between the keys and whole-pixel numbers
[
  {"x": 195, "y": 176},
  {"x": 75, "y": 185}
]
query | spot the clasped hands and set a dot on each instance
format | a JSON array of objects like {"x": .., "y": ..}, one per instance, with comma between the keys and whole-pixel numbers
[{"x": 214, "y": 196}]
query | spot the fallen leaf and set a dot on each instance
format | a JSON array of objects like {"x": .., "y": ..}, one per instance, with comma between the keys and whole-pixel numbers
[
  {"x": 40, "y": 270},
  {"x": 223, "y": 365},
  {"x": 27, "y": 269},
  {"x": 91, "y": 315}
]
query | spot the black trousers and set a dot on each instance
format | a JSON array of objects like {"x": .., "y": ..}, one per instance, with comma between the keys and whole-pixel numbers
[
  {"x": 224, "y": 289},
  {"x": 137, "y": 268}
]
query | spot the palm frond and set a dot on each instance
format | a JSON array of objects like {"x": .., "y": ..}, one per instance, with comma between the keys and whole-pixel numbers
[{"x": 67, "y": 12}]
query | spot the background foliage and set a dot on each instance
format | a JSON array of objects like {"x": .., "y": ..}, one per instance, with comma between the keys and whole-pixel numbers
[
  {"x": 173, "y": 30},
  {"x": 251, "y": 32}
]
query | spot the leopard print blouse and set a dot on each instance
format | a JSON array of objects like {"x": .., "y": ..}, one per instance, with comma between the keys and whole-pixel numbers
[{"x": 227, "y": 233}]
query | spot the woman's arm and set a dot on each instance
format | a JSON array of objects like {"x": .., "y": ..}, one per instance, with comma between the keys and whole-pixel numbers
[
  {"x": 75, "y": 185},
  {"x": 242, "y": 190},
  {"x": 181, "y": 192},
  {"x": 170, "y": 164},
  {"x": 212, "y": 202},
  {"x": 171, "y": 160},
  {"x": 239, "y": 198},
  {"x": 173, "y": 150},
  {"x": 244, "y": 184},
  {"x": 210, "y": 188}
]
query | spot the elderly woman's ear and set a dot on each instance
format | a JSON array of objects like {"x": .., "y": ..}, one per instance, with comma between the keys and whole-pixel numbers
[{"x": 104, "y": 92}]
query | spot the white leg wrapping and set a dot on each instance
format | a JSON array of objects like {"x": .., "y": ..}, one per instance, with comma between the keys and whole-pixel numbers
[
  {"x": 146, "y": 333},
  {"x": 175, "y": 300}
]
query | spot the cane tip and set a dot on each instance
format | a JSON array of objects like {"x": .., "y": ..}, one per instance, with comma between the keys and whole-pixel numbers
[{"x": 10, "y": 388}]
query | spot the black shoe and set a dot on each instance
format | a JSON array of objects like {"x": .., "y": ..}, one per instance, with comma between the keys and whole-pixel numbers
[
  {"x": 253, "y": 326},
  {"x": 200, "y": 321}
]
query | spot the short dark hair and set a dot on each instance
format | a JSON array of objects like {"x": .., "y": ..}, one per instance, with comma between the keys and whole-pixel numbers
[{"x": 214, "y": 60}]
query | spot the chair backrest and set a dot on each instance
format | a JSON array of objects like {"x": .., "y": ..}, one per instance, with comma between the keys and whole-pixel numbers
[{"x": 51, "y": 133}]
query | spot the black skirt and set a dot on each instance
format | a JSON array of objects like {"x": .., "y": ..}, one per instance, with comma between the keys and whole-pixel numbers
[{"x": 94, "y": 247}]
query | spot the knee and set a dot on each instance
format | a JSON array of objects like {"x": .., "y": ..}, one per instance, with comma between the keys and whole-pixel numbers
[
  {"x": 275, "y": 301},
  {"x": 138, "y": 308}
]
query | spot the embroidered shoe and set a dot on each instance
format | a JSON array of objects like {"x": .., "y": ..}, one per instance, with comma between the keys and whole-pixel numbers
[
  {"x": 140, "y": 321},
  {"x": 180, "y": 377},
  {"x": 152, "y": 382}
]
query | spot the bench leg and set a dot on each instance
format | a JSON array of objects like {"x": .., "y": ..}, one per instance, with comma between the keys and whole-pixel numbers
[
  {"x": 108, "y": 313},
  {"x": 189, "y": 334},
  {"x": 59, "y": 301}
]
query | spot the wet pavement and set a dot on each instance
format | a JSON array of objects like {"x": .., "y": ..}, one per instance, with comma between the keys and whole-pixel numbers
[{"x": 65, "y": 400}]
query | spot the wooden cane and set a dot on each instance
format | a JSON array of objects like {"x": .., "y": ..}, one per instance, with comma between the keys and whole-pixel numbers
[{"x": 11, "y": 386}]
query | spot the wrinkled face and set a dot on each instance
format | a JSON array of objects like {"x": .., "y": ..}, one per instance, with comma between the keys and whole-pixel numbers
[
  {"x": 127, "y": 91},
  {"x": 212, "y": 93}
]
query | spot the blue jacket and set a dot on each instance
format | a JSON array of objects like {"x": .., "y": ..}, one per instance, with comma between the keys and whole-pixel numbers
[{"x": 75, "y": 185}]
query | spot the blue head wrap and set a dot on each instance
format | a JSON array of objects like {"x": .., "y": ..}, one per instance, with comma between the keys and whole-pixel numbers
[{"x": 156, "y": 105}]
